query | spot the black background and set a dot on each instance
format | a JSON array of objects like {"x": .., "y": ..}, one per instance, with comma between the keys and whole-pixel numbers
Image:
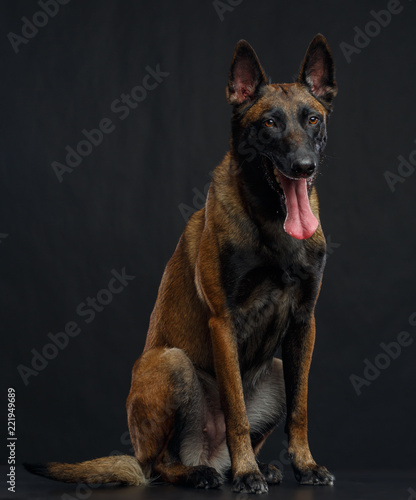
[{"x": 120, "y": 208}]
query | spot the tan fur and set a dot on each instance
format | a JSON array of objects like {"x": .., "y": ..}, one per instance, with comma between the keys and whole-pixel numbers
[{"x": 122, "y": 469}]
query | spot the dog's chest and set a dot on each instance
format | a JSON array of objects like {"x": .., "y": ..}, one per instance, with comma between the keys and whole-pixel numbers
[{"x": 266, "y": 291}]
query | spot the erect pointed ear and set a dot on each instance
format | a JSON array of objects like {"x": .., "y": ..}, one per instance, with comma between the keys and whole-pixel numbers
[
  {"x": 246, "y": 76},
  {"x": 318, "y": 72}
]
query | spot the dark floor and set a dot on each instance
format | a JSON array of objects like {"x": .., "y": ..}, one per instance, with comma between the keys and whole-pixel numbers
[{"x": 351, "y": 485}]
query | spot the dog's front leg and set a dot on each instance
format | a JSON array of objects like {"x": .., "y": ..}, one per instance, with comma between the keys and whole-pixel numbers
[
  {"x": 246, "y": 475},
  {"x": 297, "y": 351}
]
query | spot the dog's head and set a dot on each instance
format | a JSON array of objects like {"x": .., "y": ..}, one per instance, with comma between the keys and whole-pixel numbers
[{"x": 281, "y": 128}]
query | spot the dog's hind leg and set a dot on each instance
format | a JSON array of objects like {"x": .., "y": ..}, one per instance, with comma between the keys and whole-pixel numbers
[{"x": 165, "y": 404}]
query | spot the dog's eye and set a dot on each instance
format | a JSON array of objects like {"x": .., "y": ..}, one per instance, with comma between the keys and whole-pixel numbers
[
  {"x": 269, "y": 123},
  {"x": 313, "y": 120}
]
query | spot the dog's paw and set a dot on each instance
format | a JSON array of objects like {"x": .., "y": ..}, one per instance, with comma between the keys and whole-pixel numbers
[
  {"x": 314, "y": 474},
  {"x": 252, "y": 482},
  {"x": 271, "y": 473},
  {"x": 204, "y": 477}
]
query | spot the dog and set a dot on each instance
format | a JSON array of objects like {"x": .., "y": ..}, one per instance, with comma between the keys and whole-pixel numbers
[{"x": 208, "y": 390}]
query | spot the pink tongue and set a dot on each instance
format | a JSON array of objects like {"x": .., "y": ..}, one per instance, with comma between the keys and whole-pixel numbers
[{"x": 300, "y": 221}]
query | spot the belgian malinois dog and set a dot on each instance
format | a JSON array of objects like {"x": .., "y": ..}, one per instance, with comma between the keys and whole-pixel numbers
[{"x": 208, "y": 390}]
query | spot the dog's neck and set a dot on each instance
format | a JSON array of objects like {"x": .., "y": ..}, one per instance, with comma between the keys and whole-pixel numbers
[{"x": 255, "y": 189}]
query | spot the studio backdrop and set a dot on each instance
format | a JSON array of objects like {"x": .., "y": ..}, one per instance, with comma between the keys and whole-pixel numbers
[{"x": 113, "y": 119}]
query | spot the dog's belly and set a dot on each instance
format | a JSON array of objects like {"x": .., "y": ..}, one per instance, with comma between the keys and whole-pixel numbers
[
  {"x": 214, "y": 436},
  {"x": 214, "y": 430},
  {"x": 205, "y": 443}
]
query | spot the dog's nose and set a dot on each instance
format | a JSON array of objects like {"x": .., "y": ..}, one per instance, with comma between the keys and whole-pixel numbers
[{"x": 303, "y": 167}]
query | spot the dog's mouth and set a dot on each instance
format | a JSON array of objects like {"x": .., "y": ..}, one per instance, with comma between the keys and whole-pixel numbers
[{"x": 294, "y": 192}]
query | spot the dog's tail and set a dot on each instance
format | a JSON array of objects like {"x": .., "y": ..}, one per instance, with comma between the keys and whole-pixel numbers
[{"x": 121, "y": 469}]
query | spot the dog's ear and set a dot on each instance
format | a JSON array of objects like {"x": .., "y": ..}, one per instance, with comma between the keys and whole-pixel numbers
[
  {"x": 318, "y": 72},
  {"x": 246, "y": 76}
]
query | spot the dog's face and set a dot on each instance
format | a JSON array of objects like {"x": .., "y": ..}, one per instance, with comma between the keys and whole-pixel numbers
[
  {"x": 281, "y": 128},
  {"x": 287, "y": 128}
]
